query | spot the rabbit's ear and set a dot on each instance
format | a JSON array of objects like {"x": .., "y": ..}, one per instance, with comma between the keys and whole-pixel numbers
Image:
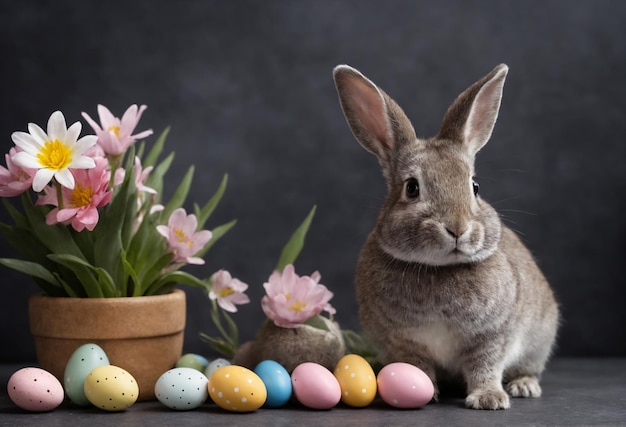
[
  {"x": 473, "y": 114},
  {"x": 374, "y": 118}
]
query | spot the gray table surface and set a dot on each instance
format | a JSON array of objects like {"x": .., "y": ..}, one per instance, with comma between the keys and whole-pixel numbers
[{"x": 576, "y": 392}]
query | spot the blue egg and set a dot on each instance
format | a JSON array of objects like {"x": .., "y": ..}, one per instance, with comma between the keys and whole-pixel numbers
[{"x": 277, "y": 382}]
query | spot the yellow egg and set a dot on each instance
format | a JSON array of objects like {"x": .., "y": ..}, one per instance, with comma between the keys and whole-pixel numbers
[
  {"x": 356, "y": 379},
  {"x": 111, "y": 388},
  {"x": 237, "y": 389}
]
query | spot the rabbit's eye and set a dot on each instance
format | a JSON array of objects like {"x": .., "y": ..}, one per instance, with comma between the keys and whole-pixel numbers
[
  {"x": 412, "y": 188},
  {"x": 475, "y": 186}
]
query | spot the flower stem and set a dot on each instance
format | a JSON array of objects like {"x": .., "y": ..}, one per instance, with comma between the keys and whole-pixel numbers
[{"x": 59, "y": 194}]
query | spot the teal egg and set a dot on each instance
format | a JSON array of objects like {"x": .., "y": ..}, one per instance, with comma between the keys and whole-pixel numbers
[
  {"x": 85, "y": 359},
  {"x": 277, "y": 382}
]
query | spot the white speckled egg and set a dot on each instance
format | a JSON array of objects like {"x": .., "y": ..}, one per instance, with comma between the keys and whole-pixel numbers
[
  {"x": 403, "y": 385},
  {"x": 111, "y": 388},
  {"x": 315, "y": 386},
  {"x": 357, "y": 380},
  {"x": 238, "y": 389},
  {"x": 214, "y": 365},
  {"x": 84, "y": 360},
  {"x": 34, "y": 389},
  {"x": 182, "y": 388}
]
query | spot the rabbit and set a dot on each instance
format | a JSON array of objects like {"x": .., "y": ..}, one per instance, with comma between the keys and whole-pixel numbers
[{"x": 441, "y": 283}]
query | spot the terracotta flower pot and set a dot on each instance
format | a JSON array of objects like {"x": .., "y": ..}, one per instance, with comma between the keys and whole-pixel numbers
[
  {"x": 292, "y": 346},
  {"x": 143, "y": 335}
]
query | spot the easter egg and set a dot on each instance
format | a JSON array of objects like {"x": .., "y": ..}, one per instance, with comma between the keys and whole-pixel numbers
[
  {"x": 182, "y": 388},
  {"x": 34, "y": 389},
  {"x": 277, "y": 382},
  {"x": 356, "y": 379},
  {"x": 403, "y": 385},
  {"x": 237, "y": 389},
  {"x": 84, "y": 360},
  {"x": 111, "y": 388},
  {"x": 194, "y": 361},
  {"x": 315, "y": 386},
  {"x": 214, "y": 365}
]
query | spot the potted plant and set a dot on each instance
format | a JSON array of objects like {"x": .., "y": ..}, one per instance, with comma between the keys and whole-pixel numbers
[
  {"x": 100, "y": 242},
  {"x": 295, "y": 330}
]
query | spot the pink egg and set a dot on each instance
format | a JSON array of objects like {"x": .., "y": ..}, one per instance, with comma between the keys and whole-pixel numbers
[
  {"x": 404, "y": 386},
  {"x": 315, "y": 386},
  {"x": 34, "y": 389}
]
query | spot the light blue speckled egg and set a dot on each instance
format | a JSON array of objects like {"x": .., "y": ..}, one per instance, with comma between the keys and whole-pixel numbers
[
  {"x": 182, "y": 388},
  {"x": 85, "y": 359}
]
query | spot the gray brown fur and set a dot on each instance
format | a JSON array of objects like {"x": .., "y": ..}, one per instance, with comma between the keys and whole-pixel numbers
[{"x": 441, "y": 282}]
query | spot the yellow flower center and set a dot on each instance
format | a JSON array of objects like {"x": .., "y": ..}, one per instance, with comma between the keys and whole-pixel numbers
[
  {"x": 297, "y": 306},
  {"x": 55, "y": 155},
  {"x": 182, "y": 237},
  {"x": 115, "y": 130},
  {"x": 225, "y": 292},
  {"x": 81, "y": 196}
]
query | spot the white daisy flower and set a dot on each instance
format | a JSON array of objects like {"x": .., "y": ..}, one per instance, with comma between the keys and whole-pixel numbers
[{"x": 53, "y": 154}]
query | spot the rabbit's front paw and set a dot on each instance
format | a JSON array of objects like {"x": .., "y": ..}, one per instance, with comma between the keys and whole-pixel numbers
[
  {"x": 526, "y": 386},
  {"x": 488, "y": 399}
]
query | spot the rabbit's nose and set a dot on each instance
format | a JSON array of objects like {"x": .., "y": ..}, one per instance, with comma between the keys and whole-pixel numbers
[{"x": 457, "y": 230}]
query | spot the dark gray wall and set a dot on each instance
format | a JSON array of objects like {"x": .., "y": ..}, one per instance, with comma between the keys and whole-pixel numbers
[{"x": 247, "y": 89}]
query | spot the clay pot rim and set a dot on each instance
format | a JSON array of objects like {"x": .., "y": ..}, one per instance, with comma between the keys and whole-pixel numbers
[
  {"x": 165, "y": 315},
  {"x": 174, "y": 294}
]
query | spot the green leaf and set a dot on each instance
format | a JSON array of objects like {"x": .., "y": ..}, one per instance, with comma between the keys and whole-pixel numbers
[
  {"x": 317, "y": 322},
  {"x": 295, "y": 244},
  {"x": 179, "y": 195},
  {"x": 218, "y": 232},
  {"x": 219, "y": 345},
  {"x": 57, "y": 238},
  {"x": 31, "y": 268},
  {"x": 70, "y": 291},
  {"x": 155, "y": 179},
  {"x": 156, "y": 150},
  {"x": 175, "y": 277},
  {"x": 83, "y": 271},
  {"x": 16, "y": 215},
  {"x": 206, "y": 211}
]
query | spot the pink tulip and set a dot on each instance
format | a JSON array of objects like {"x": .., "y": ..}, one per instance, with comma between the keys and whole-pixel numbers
[
  {"x": 182, "y": 238},
  {"x": 291, "y": 299},
  {"x": 228, "y": 291},
  {"x": 14, "y": 180},
  {"x": 114, "y": 135},
  {"x": 80, "y": 204}
]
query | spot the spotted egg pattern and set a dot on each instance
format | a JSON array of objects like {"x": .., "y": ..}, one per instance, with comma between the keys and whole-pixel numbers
[
  {"x": 182, "y": 388},
  {"x": 85, "y": 358},
  {"x": 111, "y": 388},
  {"x": 356, "y": 379},
  {"x": 35, "y": 389},
  {"x": 403, "y": 385},
  {"x": 237, "y": 389}
]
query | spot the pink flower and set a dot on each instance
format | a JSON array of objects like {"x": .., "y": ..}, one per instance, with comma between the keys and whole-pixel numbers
[
  {"x": 141, "y": 175},
  {"x": 114, "y": 135},
  {"x": 228, "y": 291},
  {"x": 291, "y": 300},
  {"x": 14, "y": 180},
  {"x": 182, "y": 238},
  {"x": 80, "y": 204}
]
